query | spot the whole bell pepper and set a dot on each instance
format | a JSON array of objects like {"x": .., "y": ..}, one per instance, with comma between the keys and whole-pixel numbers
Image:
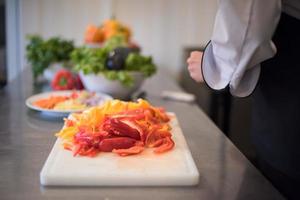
[{"x": 63, "y": 80}]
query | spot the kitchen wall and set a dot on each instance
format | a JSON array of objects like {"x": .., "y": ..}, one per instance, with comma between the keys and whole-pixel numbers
[{"x": 162, "y": 27}]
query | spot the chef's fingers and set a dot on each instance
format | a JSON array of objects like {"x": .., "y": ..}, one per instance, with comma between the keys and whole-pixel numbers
[
  {"x": 196, "y": 54},
  {"x": 192, "y": 60},
  {"x": 196, "y": 76},
  {"x": 192, "y": 67}
]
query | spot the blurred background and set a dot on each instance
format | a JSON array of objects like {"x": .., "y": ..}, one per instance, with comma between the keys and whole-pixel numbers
[{"x": 165, "y": 29}]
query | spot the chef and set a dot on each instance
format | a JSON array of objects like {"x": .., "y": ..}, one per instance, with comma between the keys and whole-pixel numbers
[{"x": 242, "y": 57}]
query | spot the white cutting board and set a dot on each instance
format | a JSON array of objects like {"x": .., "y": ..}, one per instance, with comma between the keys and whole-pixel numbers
[{"x": 175, "y": 167}]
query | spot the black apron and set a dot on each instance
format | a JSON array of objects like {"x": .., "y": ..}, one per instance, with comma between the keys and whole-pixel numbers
[{"x": 276, "y": 104}]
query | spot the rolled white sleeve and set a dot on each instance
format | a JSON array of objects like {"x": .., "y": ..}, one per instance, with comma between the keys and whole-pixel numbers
[{"x": 241, "y": 40}]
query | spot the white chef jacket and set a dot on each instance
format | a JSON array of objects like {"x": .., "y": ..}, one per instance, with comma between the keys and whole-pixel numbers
[{"x": 241, "y": 40}]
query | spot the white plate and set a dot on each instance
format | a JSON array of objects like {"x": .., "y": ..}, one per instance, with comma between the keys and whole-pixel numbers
[{"x": 30, "y": 100}]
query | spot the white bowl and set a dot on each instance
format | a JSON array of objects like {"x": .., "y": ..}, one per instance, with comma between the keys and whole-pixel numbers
[{"x": 99, "y": 83}]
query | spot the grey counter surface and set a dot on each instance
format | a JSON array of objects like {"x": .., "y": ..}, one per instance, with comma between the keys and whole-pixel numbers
[{"x": 26, "y": 138}]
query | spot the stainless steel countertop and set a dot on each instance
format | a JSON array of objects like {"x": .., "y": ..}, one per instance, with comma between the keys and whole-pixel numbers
[{"x": 26, "y": 138}]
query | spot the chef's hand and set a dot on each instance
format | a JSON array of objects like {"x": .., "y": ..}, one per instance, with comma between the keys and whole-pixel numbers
[{"x": 194, "y": 65}]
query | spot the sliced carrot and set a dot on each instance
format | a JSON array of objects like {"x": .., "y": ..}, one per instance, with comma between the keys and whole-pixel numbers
[{"x": 49, "y": 102}]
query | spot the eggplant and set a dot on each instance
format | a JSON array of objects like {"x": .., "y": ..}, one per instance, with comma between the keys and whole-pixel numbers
[{"x": 116, "y": 58}]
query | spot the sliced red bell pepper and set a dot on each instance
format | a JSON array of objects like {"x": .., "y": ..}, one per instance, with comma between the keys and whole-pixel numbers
[
  {"x": 119, "y": 127},
  {"x": 130, "y": 151},
  {"x": 107, "y": 145},
  {"x": 167, "y": 145}
]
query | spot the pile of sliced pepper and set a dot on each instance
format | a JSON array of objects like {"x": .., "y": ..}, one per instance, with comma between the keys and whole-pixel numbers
[{"x": 124, "y": 128}]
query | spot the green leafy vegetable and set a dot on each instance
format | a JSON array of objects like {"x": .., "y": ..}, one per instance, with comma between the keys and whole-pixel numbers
[
  {"x": 137, "y": 62},
  {"x": 123, "y": 76},
  {"x": 41, "y": 53},
  {"x": 93, "y": 61},
  {"x": 114, "y": 42},
  {"x": 89, "y": 60}
]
